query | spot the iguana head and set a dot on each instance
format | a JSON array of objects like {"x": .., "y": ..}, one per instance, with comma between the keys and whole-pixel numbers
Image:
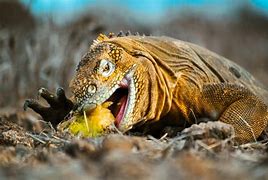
[{"x": 109, "y": 73}]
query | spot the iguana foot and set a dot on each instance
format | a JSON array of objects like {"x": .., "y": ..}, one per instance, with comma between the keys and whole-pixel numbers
[
  {"x": 59, "y": 106},
  {"x": 246, "y": 112}
]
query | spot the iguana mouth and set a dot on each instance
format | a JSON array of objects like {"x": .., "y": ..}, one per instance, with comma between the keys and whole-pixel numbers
[
  {"x": 123, "y": 99},
  {"x": 122, "y": 94},
  {"x": 120, "y": 103}
]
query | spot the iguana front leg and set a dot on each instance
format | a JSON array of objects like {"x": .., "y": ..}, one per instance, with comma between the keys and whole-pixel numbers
[
  {"x": 239, "y": 107},
  {"x": 60, "y": 106}
]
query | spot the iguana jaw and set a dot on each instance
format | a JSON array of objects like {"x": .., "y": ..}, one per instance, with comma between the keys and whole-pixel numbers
[
  {"x": 124, "y": 115},
  {"x": 127, "y": 104}
]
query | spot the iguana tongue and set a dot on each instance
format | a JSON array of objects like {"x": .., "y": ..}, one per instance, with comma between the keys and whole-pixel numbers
[{"x": 119, "y": 115}]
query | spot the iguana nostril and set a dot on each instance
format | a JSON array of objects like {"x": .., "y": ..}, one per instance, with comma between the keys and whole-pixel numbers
[{"x": 92, "y": 88}]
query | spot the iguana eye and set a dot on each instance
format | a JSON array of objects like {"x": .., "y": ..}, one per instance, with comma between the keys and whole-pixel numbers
[{"x": 106, "y": 68}]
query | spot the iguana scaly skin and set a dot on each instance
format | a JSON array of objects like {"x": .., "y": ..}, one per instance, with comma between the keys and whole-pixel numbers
[
  {"x": 168, "y": 79},
  {"x": 172, "y": 81}
]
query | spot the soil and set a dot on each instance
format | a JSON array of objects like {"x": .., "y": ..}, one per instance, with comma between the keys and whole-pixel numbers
[{"x": 32, "y": 149}]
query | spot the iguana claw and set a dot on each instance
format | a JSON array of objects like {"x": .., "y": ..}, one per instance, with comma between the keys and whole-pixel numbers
[{"x": 59, "y": 106}]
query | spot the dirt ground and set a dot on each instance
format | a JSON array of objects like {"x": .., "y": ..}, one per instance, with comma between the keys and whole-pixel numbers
[
  {"x": 35, "y": 54},
  {"x": 31, "y": 149}
]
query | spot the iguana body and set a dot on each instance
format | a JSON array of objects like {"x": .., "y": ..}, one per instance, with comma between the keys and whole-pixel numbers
[{"x": 170, "y": 81}]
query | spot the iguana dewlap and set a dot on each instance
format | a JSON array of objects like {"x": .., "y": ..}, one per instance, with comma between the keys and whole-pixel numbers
[{"x": 159, "y": 78}]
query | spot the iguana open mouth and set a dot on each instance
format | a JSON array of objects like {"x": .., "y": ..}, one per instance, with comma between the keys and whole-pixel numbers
[
  {"x": 123, "y": 100},
  {"x": 120, "y": 102},
  {"x": 123, "y": 96}
]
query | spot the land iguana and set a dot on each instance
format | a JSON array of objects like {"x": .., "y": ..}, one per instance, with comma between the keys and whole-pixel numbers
[{"x": 161, "y": 79}]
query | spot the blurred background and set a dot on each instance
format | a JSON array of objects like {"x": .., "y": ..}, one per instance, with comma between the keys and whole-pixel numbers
[{"x": 41, "y": 41}]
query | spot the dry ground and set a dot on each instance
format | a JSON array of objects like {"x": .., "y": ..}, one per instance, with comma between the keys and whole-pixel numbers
[{"x": 33, "y": 150}]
